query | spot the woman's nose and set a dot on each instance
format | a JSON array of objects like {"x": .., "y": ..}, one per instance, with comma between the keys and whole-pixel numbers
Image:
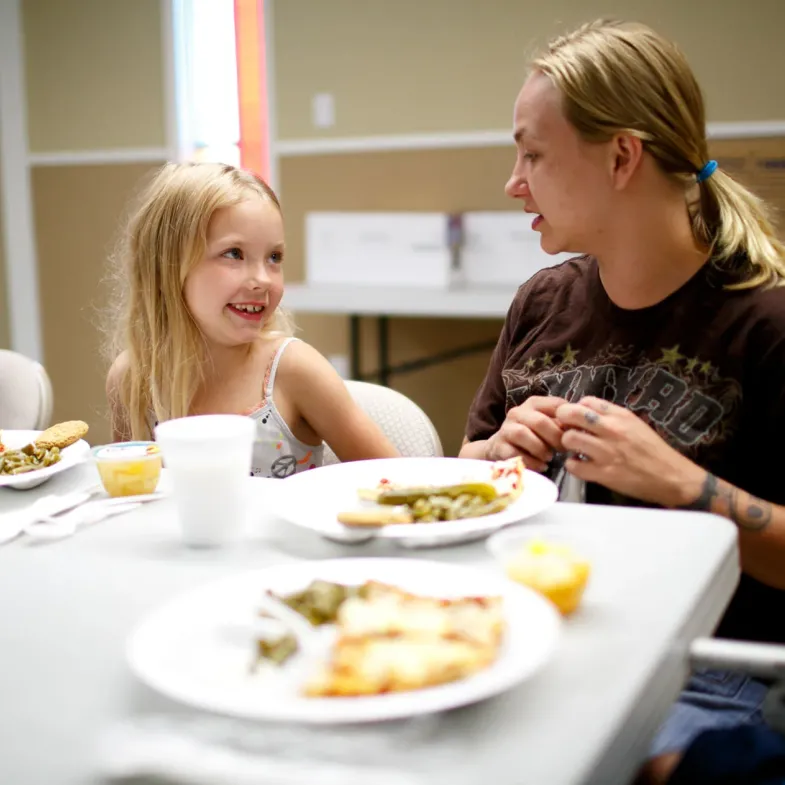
[{"x": 516, "y": 185}]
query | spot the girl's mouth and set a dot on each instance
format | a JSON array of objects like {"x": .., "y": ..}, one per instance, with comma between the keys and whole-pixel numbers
[{"x": 252, "y": 312}]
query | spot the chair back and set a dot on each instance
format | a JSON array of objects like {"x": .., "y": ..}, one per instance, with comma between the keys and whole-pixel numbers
[
  {"x": 25, "y": 393},
  {"x": 401, "y": 420}
]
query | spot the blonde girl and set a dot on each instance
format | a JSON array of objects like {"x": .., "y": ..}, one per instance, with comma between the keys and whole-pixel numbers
[{"x": 200, "y": 329}]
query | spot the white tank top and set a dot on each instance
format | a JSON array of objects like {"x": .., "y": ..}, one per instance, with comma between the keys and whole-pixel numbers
[{"x": 277, "y": 452}]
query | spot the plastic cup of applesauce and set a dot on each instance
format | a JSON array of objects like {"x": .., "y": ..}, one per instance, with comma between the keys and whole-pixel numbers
[
  {"x": 552, "y": 559},
  {"x": 128, "y": 468}
]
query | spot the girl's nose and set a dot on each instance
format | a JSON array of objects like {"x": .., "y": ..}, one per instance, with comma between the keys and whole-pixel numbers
[{"x": 260, "y": 278}]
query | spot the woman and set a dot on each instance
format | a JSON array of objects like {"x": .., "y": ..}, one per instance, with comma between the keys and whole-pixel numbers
[{"x": 656, "y": 360}]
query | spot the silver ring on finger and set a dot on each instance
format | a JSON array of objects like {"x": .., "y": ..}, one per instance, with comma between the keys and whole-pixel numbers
[{"x": 592, "y": 418}]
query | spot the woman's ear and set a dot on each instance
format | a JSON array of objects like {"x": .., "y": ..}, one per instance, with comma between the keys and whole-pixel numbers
[{"x": 626, "y": 155}]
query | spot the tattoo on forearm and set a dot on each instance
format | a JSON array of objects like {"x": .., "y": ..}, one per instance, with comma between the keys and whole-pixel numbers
[
  {"x": 746, "y": 511},
  {"x": 708, "y": 494}
]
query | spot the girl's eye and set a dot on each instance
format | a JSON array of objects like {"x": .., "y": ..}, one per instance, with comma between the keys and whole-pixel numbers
[
  {"x": 276, "y": 257},
  {"x": 233, "y": 253},
  {"x": 530, "y": 156}
]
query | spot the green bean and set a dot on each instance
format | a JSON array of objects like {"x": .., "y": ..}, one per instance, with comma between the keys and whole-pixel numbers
[
  {"x": 428, "y": 509},
  {"x": 321, "y": 601},
  {"x": 411, "y": 495},
  {"x": 27, "y": 459},
  {"x": 277, "y": 651},
  {"x": 22, "y": 469}
]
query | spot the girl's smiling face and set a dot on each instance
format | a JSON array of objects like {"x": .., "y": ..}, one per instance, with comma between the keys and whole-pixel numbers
[{"x": 234, "y": 290}]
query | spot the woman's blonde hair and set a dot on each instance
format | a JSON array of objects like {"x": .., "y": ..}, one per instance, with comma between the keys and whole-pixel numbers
[
  {"x": 163, "y": 241},
  {"x": 617, "y": 77}
]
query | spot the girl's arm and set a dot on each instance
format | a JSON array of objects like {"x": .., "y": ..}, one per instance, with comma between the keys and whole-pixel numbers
[
  {"x": 121, "y": 426},
  {"x": 323, "y": 401}
]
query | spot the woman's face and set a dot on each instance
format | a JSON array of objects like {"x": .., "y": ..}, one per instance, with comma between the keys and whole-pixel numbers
[{"x": 566, "y": 182}]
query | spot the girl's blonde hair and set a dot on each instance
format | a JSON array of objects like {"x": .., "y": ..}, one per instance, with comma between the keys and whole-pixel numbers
[
  {"x": 163, "y": 241},
  {"x": 617, "y": 77}
]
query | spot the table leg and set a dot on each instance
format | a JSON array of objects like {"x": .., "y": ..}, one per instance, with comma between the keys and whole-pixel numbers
[
  {"x": 354, "y": 347},
  {"x": 384, "y": 351},
  {"x": 385, "y": 370}
]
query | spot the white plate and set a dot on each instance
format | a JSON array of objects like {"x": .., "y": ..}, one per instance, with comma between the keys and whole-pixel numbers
[
  {"x": 182, "y": 651},
  {"x": 71, "y": 456},
  {"x": 313, "y": 500}
]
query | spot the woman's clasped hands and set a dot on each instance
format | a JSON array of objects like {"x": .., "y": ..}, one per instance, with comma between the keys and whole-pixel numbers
[{"x": 606, "y": 444}]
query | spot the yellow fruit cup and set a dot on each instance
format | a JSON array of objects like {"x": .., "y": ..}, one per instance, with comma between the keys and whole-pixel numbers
[
  {"x": 128, "y": 468},
  {"x": 547, "y": 563}
]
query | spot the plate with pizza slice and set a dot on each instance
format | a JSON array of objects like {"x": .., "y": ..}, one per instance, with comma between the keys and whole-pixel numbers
[
  {"x": 415, "y": 502},
  {"x": 373, "y": 639}
]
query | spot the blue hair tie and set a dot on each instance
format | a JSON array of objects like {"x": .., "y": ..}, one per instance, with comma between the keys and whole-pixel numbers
[{"x": 707, "y": 171}]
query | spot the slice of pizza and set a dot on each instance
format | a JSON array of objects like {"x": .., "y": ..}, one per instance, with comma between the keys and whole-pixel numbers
[
  {"x": 507, "y": 477},
  {"x": 388, "y": 610},
  {"x": 372, "y": 494},
  {"x": 391, "y": 641},
  {"x": 375, "y": 666}
]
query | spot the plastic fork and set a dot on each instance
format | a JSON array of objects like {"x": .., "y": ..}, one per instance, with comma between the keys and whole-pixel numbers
[
  {"x": 60, "y": 527},
  {"x": 12, "y": 524}
]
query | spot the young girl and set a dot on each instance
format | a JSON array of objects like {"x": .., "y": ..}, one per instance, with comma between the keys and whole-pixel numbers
[
  {"x": 656, "y": 361},
  {"x": 201, "y": 330}
]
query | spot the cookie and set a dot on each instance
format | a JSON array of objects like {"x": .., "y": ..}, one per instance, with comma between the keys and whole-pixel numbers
[
  {"x": 62, "y": 435},
  {"x": 376, "y": 516}
]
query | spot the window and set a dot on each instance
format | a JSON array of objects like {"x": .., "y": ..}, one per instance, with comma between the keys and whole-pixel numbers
[{"x": 221, "y": 90}]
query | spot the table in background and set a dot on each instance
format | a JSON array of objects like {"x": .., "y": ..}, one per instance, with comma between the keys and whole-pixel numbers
[
  {"x": 66, "y": 610},
  {"x": 382, "y": 303}
]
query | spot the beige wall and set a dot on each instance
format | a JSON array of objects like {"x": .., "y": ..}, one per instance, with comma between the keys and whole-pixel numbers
[
  {"x": 80, "y": 208},
  {"x": 456, "y": 65},
  {"x": 94, "y": 73},
  {"x": 451, "y": 180},
  {"x": 5, "y": 335}
]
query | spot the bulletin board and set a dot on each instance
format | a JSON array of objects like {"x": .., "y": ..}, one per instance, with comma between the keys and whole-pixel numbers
[{"x": 760, "y": 165}]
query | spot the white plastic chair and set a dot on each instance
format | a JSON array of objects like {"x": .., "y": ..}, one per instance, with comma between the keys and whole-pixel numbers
[
  {"x": 25, "y": 393},
  {"x": 402, "y": 421}
]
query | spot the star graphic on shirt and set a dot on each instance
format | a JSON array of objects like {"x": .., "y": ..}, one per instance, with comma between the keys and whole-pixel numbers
[
  {"x": 707, "y": 368},
  {"x": 570, "y": 355},
  {"x": 530, "y": 363},
  {"x": 671, "y": 356},
  {"x": 547, "y": 360},
  {"x": 692, "y": 364}
]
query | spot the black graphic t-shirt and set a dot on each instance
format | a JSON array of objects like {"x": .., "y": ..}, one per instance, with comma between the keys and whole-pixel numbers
[{"x": 705, "y": 368}]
